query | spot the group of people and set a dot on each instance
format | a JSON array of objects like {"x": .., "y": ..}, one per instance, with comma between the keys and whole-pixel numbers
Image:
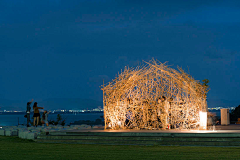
[{"x": 36, "y": 115}]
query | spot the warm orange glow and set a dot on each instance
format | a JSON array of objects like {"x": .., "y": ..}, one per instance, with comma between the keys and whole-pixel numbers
[{"x": 153, "y": 96}]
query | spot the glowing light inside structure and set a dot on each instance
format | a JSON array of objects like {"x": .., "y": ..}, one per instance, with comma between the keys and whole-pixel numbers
[
  {"x": 154, "y": 97},
  {"x": 203, "y": 120}
]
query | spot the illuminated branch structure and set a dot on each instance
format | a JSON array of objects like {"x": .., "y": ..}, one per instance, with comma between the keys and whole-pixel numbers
[{"x": 153, "y": 96}]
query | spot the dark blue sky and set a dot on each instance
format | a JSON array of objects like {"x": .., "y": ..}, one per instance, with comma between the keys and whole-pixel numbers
[{"x": 64, "y": 49}]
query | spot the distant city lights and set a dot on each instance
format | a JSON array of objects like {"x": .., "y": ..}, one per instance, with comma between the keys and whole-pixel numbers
[
  {"x": 61, "y": 110},
  {"x": 218, "y": 108},
  {"x": 99, "y": 110}
]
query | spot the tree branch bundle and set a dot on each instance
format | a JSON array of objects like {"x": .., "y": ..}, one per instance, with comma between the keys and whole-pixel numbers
[{"x": 153, "y": 96}]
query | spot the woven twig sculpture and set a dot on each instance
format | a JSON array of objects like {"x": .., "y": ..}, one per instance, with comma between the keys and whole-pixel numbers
[{"x": 153, "y": 96}]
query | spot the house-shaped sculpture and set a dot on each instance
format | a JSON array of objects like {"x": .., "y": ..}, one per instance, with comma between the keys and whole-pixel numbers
[{"x": 153, "y": 96}]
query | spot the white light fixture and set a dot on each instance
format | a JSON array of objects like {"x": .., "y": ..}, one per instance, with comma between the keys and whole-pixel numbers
[{"x": 203, "y": 120}]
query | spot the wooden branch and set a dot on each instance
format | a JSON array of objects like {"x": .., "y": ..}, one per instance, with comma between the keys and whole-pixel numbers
[{"x": 153, "y": 96}]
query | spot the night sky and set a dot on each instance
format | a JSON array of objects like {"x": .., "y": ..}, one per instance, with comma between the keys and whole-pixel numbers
[{"x": 64, "y": 49}]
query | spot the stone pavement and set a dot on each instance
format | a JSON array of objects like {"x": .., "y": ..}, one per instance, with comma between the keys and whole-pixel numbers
[{"x": 33, "y": 132}]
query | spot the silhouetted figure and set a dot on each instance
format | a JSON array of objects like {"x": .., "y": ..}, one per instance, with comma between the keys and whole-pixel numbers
[
  {"x": 36, "y": 114},
  {"x": 45, "y": 118},
  {"x": 28, "y": 112}
]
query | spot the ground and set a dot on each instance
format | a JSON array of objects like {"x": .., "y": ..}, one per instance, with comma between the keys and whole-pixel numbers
[{"x": 15, "y": 148}]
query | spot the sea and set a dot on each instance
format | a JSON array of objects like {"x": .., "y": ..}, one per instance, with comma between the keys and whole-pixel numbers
[{"x": 19, "y": 119}]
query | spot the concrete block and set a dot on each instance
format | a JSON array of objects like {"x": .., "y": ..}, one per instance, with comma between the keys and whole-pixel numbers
[
  {"x": 14, "y": 132},
  {"x": 2, "y": 132},
  {"x": 94, "y": 127},
  {"x": 68, "y": 129},
  {"x": 57, "y": 129},
  {"x": 63, "y": 129},
  {"x": 51, "y": 130},
  {"x": 98, "y": 127},
  {"x": 57, "y": 126},
  {"x": 85, "y": 127},
  {"x": 21, "y": 126},
  {"x": 45, "y": 129},
  {"x": 53, "y": 127},
  {"x": 23, "y": 134},
  {"x": 30, "y": 128},
  {"x": 20, "y": 134},
  {"x": 101, "y": 126},
  {"x": 31, "y": 135},
  {"x": 38, "y": 128},
  {"x": 88, "y": 127},
  {"x": 66, "y": 126},
  {"x": 7, "y": 132},
  {"x": 11, "y": 132},
  {"x": 9, "y": 128},
  {"x": 22, "y": 129},
  {"x": 75, "y": 126}
]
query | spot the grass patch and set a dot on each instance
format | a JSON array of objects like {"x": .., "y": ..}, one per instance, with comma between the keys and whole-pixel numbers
[{"x": 16, "y": 148}]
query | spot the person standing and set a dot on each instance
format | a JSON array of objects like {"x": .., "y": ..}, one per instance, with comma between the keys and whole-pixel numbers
[
  {"x": 36, "y": 114},
  {"x": 45, "y": 118},
  {"x": 28, "y": 112}
]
